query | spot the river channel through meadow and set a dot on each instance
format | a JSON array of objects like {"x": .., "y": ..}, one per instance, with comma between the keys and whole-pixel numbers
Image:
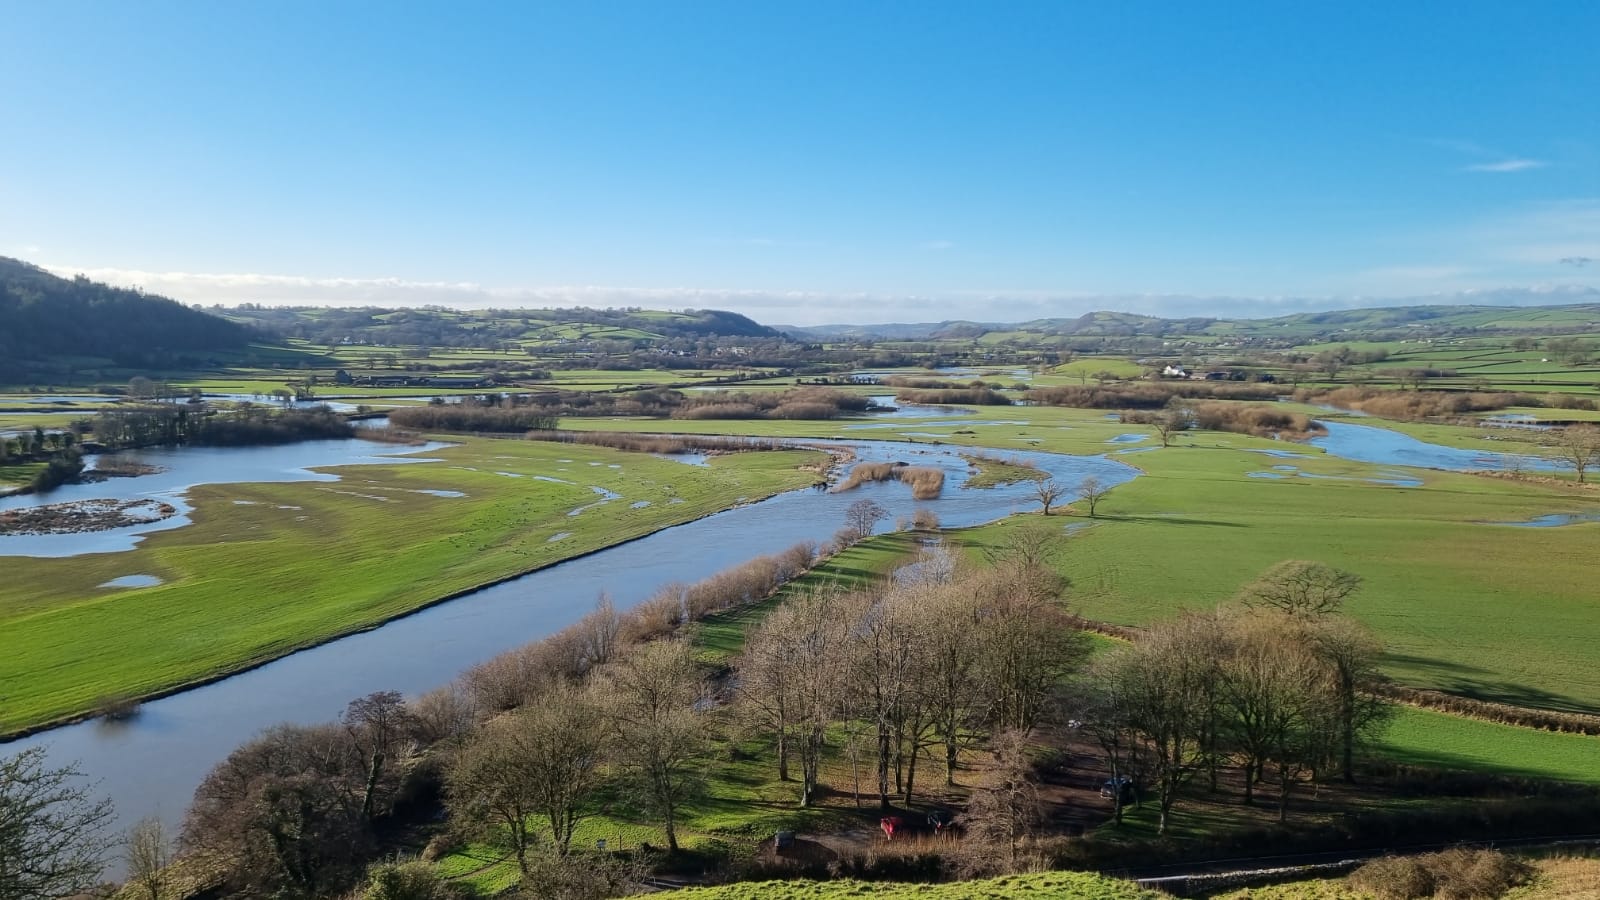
[{"x": 150, "y": 765}]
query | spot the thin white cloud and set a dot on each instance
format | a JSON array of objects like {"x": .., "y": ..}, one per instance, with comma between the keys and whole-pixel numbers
[
  {"x": 1507, "y": 165},
  {"x": 1542, "y": 235},
  {"x": 938, "y": 245}
]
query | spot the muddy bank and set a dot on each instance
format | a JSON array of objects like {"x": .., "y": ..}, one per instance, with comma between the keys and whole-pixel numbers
[{"x": 80, "y": 516}]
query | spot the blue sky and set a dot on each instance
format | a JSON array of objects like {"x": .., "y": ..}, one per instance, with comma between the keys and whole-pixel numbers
[{"x": 811, "y": 162}]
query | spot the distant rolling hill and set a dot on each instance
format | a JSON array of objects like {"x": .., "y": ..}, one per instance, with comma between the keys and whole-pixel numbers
[{"x": 1457, "y": 318}]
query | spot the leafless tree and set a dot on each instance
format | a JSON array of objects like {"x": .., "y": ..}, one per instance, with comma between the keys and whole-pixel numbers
[
  {"x": 884, "y": 652},
  {"x": 1302, "y": 588},
  {"x": 51, "y": 829},
  {"x": 444, "y": 713},
  {"x": 1166, "y": 687},
  {"x": 1176, "y": 417},
  {"x": 1101, "y": 711},
  {"x": 564, "y": 736},
  {"x": 1047, "y": 491},
  {"x": 599, "y": 634},
  {"x": 817, "y": 629},
  {"x": 1577, "y": 447},
  {"x": 862, "y": 515},
  {"x": 1006, "y": 810},
  {"x": 282, "y": 814},
  {"x": 1267, "y": 685},
  {"x": 379, "y": 727},
  {"x": 490, "y": 787},
  {"x": 1090, "y": 491},
  {"x": 652, "y": 699},
  {"x": 1351, "y": 653},
  {"x": 765, "y": 682},
  {"x": 146, "y": 854},
  {"x": 950, "y": 670},
  {"x": 1027, "y": 648},
  {"x": 1025, "y": 559}
]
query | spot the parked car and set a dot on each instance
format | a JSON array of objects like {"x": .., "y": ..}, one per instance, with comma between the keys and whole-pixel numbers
[{"x": 1122, "y": 785}]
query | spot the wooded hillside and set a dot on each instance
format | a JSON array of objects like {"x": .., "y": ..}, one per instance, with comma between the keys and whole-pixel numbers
[{"x": 44, "y": 316}]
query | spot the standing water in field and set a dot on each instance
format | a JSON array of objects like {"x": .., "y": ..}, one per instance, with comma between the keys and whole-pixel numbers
[{"x": 1364, "y": 443}]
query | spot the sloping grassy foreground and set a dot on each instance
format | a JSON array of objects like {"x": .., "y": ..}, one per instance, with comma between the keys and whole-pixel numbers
[
  {"x": 1557, "y": 877},
  {"x": 1053, "y": 885},
  {"x": 265, "y": 569}
]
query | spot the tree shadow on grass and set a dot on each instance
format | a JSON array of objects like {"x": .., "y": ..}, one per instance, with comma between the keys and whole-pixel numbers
[
  {"x": 1482, "y": 684},
  {"x": 1454, "y": 762}
]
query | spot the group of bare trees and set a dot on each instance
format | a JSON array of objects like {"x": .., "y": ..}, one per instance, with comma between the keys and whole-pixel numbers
[
  {"x": 292, "y": 812},
  {"x": 923, "y": 668},
  {"x": 1279, "y": 683},
  {"x": 523, "y": 747}
]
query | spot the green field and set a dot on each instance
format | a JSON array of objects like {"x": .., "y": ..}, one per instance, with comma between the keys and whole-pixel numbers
[
  {"x": 1437, "y": 740},
  {"x": 1455, "y": 597},
  {"x": 333, "y": 558}
]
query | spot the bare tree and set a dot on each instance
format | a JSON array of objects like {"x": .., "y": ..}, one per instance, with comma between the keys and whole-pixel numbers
[
  {"x": 765, "y": 682},
  {"x": 817, "y": 629},
  {"x": 1267, "y": 684},
  {"x": 1301, "y": 587},
  {"x": 599, "y": 634},
  {"x": 949, "y": 668},
  {"x": 564, "y": 739},
  {"x": 1103, "y": 713},
  {"x": 379, "y": 726},
  {"x": 652, "y": 700},
  {"x": 490, "y": 789},
  {"x": 1175, "y": 418},
  {"x": 1027, "y": 648},
  {"x": 50, "y": 829},
  {"x": 146, "y": 854},
  {"x": 1351, "y": 653},
  {"x": 1047, "y": 491},
  {"x": 1166, "y": 687},
  {"x": 444, "y": 713},
  {"x": 1577, "y": 447},
  {"x": 885, "y": 650},
  {"x": 1025, "y": 559},
  {"x": 1090, "y": 491},
  {"x": 862, "y": 515},
  {"x": 282, "y": 814},
  {"x": 1006, "y": 810}
]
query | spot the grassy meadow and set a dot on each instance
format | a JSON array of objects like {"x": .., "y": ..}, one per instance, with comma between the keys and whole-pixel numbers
[
  {"x": 1455, "y": 597},
  {"x": 335, "y": 557}
]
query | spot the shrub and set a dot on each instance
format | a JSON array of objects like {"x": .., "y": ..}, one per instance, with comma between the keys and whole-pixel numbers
[
  {"x": 411, "y": 880},
  {"x": 977, "y": 396},
  {"x": 1456, "y": 874},
  {"x": 1153, "y": 395},
  {"x": 1395, "y": 878},
  {"x": 926, "y": 483}
]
